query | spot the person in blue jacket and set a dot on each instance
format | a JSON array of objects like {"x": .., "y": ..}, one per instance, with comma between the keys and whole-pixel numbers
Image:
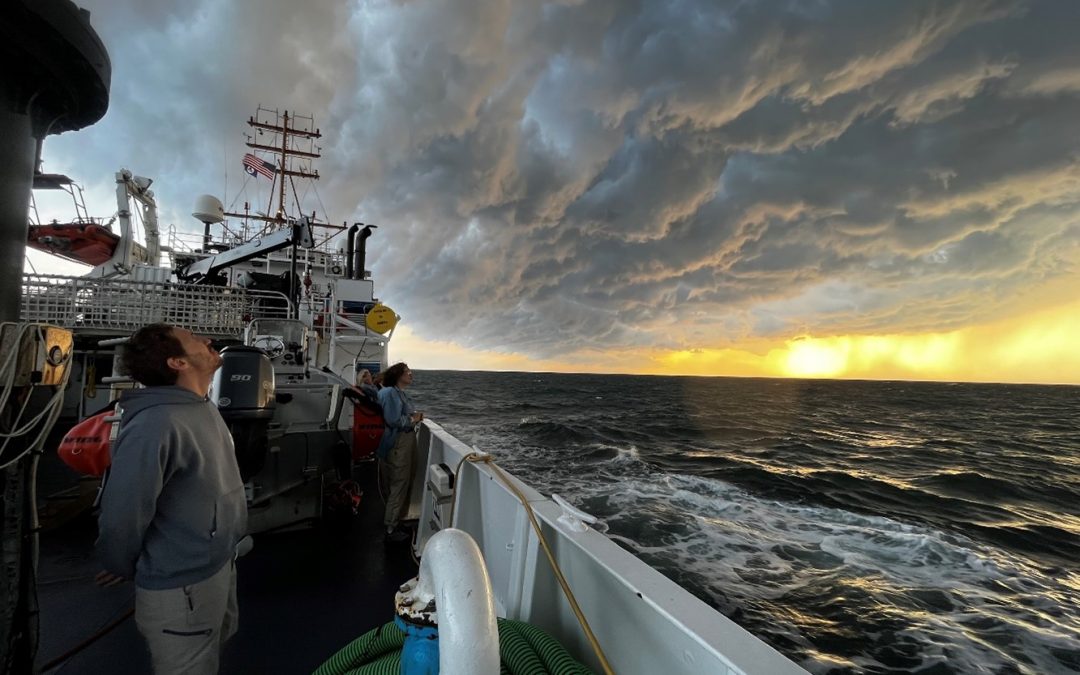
[
  {"x": 173, "y": 507},
  {"x": 397, "y": 449}
]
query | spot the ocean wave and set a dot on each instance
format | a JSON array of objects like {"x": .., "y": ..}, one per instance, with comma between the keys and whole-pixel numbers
[
  {"x": 857, "y": 526},
  {"x": 553, "y": 432},
  {"x": 984, "y": 487},
  {"x": 752, "y": 558}
]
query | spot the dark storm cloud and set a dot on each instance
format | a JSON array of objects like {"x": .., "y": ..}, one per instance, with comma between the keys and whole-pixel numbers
[{"x": 562, "y": 175}]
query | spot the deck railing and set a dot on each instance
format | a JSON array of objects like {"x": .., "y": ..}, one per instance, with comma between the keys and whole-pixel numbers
[{"x": 120, "y": 306}]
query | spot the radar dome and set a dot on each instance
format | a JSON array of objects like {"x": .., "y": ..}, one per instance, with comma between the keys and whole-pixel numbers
[{"x": 209, "y": 209}]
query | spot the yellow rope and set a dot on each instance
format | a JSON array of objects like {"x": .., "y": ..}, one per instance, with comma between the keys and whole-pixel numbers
[{"x": 487, "y": 459}]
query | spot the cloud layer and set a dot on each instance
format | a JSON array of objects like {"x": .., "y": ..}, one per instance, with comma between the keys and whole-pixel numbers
[{"x": 576, "y": 175}]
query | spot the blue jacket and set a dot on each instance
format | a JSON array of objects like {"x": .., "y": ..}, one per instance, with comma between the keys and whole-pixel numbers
[
  {"x": 173, "y": 506},
  {"x": 397, "y": 415}
]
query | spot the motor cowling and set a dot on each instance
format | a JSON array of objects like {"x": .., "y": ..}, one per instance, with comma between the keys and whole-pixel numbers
[{"x": 243, "y": 390}]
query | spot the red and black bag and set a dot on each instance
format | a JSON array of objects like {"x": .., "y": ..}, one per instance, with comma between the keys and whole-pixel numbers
[{"x": 367, "y": 426}]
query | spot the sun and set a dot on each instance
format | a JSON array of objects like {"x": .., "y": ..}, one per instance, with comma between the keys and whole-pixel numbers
[{"x": 814, "y": 358}]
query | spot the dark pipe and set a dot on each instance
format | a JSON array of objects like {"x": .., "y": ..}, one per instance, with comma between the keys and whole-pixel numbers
[
  {"x": 361, "y": 250},
  {"x": 350, "y": 243},
  {"x": 294, "y": 289},
  {"x": 17, "y": 147}
]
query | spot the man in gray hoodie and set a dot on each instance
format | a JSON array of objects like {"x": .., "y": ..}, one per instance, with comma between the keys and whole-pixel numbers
[{"x": 173, "y": 505}]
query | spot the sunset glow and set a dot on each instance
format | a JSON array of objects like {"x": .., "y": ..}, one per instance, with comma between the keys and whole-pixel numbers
[{"x": 1037, "y": 348}]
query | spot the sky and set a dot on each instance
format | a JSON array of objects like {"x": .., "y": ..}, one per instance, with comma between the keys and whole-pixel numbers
[{"x": 808, "y": 188}]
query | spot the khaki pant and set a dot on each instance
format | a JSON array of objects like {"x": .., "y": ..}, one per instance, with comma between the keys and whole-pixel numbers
[
  {"x": 187, "y": 627},
  {"x": 398, "y": 467}
]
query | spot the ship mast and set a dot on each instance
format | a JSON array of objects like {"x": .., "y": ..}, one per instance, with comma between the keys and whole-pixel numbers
[{"x": 292, "y": 137}]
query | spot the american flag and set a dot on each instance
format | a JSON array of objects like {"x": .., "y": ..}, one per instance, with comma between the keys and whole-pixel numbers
[{"x": 254, "y": 165}]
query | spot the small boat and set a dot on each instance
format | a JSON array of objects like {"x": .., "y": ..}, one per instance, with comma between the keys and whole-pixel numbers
[
  {"x": 92, "y": 241},
  {"x": 86, "y": 243}
]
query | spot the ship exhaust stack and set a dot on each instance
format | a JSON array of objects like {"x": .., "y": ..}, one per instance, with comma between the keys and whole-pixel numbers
[
  {"x": 361, "y": 251},
  {"x": 243, "y": 390},
  {"x": 350, "y": 246}
]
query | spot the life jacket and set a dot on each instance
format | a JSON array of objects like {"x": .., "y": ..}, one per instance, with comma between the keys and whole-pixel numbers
[
  {"x": 86, "y": 447},
  {"x": 367, "y": 426}
]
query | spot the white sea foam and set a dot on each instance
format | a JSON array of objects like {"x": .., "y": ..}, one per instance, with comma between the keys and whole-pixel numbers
[{"x": 949, "y": 598}]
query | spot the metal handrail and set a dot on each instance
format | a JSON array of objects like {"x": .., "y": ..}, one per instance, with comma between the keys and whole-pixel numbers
[{"x": 122, "y": 305}]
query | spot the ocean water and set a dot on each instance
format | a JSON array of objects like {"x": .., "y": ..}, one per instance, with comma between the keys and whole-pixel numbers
[{"x": 858, "y": 527}]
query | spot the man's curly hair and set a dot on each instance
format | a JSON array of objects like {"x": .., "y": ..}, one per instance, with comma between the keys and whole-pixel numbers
[{"x": 146, "y": 354}]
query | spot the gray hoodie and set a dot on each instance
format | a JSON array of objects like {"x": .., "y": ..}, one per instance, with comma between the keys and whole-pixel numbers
[{"x": 173, "y": 506}]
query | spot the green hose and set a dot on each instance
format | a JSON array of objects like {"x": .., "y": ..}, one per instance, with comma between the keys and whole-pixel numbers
[
  {"x": 527, "y": 650},
  {"x": 523, "y": 650},
  {"x": 376, "y": 652}
]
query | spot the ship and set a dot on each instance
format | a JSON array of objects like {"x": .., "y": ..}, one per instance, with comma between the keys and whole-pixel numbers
[{"x": 289, "y": 301}]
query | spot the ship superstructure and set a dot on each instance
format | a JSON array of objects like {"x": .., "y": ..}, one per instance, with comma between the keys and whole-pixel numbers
[{"x": 283, "y": 281}]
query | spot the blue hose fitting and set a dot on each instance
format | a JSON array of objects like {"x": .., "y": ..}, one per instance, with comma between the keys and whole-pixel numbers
[{"x": 420, "y": 654}]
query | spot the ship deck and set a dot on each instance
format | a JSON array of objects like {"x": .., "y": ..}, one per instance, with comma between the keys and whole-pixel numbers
[{"x": 302, "y": 594}]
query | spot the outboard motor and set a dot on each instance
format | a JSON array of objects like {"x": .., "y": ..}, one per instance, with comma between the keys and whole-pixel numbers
[{"x": 244, "y": 392}]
